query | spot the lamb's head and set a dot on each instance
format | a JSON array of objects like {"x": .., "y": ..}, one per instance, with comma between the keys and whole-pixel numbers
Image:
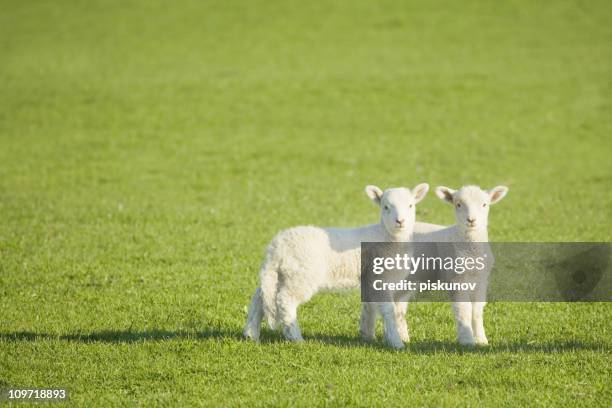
[
  {"x": 397, "y": 207},
  {"x": 471, "y": 204}
]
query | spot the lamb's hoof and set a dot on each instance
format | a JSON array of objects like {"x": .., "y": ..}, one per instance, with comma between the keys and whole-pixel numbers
[
  {"x": 368, "y": 338},
  {"x": 466, "y": 338},
  {"x": 396, "y": 345},
  {"x": 292, "y": 335},
  {"x": 467, "y": 342},
  {"x": 482, "y": 342},
  {"x": 249, "y": 335},
  {"x": 405, "y": 337}
]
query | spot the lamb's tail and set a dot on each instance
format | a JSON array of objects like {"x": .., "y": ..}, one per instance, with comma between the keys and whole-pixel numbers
[{"x": 268, "y": 277}]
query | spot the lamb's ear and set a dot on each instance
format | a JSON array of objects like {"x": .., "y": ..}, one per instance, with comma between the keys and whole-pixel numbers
[
  {"x": 420, "y": 191},
  {"x": 497, "y": 193},
  {"x": 445, "y": 193},
  {"x": 374, "y": 193}
]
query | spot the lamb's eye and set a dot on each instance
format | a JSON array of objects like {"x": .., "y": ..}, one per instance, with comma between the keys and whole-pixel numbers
[
  {"x": 458, "y": 205},
  {"x": 410, "y": 205},
  {"x": 386, "y": 207},
  {"x": 484, "y": 205}
]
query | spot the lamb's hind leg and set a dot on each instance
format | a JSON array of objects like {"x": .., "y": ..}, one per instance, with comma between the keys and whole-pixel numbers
[
  {"x": 287, "y": 303},
  {"x": 253, "y": 324}
]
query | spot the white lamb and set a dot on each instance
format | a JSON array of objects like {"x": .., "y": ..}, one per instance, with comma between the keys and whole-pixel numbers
[
  {"x": 302, "y": 261},
  {"x": 471, "y": 211}
]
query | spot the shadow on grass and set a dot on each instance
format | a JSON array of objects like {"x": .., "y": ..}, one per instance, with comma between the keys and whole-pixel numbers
[
  {"x": 434, "y": 346},
  {"x": 270, "y": 337},
  {"x": 124, "y": 336}
]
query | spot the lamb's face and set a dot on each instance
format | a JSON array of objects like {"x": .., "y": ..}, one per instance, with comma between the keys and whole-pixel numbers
[
  {"x": 397, "y": 207},
  {"x": 472, "y": 204},
  {"x": 397, "y": 210}
]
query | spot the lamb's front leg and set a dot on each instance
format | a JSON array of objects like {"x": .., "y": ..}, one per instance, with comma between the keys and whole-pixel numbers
[
  {"x": 478, "y": 323},
  {"x": 400, "y": 319},
  {"x": 463, "y": 317},
  {"x": 392, "y": 336}
]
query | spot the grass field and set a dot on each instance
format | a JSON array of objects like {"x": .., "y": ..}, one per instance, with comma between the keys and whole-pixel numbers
[{"x": 149, "y": 150}]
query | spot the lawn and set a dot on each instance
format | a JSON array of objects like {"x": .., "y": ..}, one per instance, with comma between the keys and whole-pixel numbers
[{"x": 149, "y": 151}]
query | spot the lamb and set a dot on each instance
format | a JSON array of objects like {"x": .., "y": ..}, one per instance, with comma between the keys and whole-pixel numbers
[
  {"x": 471, "y": 239},
  {"x": 304, "y": 260}
]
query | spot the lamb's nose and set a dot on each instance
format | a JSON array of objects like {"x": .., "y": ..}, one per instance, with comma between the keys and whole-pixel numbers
[
  {"x": 471, "y": 220},
  {"x": 400, "y": 222}
]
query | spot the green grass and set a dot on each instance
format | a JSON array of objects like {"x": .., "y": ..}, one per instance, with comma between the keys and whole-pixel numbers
[{"x": 150, "y": 150}]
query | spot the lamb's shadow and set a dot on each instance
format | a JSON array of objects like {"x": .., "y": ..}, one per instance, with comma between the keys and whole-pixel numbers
[
  {"x": 270, "y": 337},
  {"x": 435, "y": 347},
  {"x": 337, "y": 340},
  {"x": 123, "y": 336}
]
